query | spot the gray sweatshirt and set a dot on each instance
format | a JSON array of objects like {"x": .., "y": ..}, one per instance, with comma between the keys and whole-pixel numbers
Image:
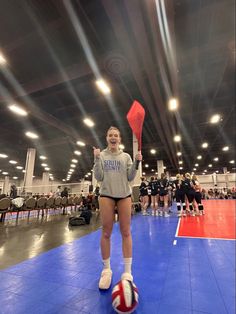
[{"x": 115, "y": 171}]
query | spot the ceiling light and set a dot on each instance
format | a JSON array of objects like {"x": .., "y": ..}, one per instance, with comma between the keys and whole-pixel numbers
[
  {"x": 173, "y": 104},
  {"x": 3, "y": 156},
  {"x": 121, "y": 146},
  {"x": 42, "y": 157},
  {"x": 180, "y": 162},
  {"x": 215, "y": 118},
  {"x": 232, "y": 162},
  {"x": 72, "y": 165},
  {"x": 225, "y": 149},
  {"x": 31, "y": 135},
  {"x": 164, "y": 167},
  {"x": 210, "y": 165},
  {"x": 181, "y": 168},
  {"x": 196, "y": 165},
  {"x": 71, "y": 170},
  {"x": 23, "y": 170},
  {"x": 89, "y": 122},
  {"x": 46, "y": 168},
  {"x": 217, "y": 171},
  {"x": 103, "y": 86},
  {"x": 199, "y": 157},
  {"x": 204, "y": 145},
  {"x": 44, "y": 165},
  {"x": 77, "y": 152},
  {"x": 15, "y": 178},
  {"x": 153, "y": 151},
  {"x": 179, "y": 154},
  {"x": 19, "y": 167},
  {"x": 146, "y": 166},
  {"x": 4, "y": 172},
  {"x": 12, "y": 162},
  {"x": 144, "y": 173},
  {"x": 18, "y": 110},
  {"x": 2, "y": 59},
  {"x": 216, "y": 159},
  {"x": 177, "y": 138},
  {"x": 80, "y": 143},
  {"x": 194, "y": 169},
  {"x": 74, "y": 160}
]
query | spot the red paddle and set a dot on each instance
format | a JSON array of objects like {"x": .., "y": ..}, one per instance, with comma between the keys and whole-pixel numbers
[{"x": 135, "y": 117}]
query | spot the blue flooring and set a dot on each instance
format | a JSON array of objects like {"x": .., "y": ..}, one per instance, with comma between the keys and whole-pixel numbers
[{"x": 195, "y": 276}]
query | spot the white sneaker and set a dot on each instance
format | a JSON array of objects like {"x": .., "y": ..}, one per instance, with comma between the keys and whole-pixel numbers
[
  {"x": 153, "y": 213},
  {"x": 127, "y": 276},
  {"x": 105, "y": 279},
  {"x": 166, "y": 215}
]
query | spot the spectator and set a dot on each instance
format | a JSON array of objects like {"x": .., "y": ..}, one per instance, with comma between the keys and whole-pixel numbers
[
  {"x": 13, "y": 192},
  {"x": 64, "y": 192}
]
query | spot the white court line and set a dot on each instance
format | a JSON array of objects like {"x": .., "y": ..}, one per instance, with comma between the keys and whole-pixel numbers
[
  {"x": 205, "y": 238},
  {"x": 175, "y": 242},
  {"x": 177, "y": 229}
]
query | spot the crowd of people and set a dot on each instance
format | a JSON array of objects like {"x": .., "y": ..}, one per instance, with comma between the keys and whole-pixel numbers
[
  {"x": 219, "y": 193},
  {"x": 158, "y": 193}
]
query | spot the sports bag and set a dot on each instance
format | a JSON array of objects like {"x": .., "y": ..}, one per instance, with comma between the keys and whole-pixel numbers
[
  {"x": 76, "y": 221},
  {"x": 86, "y": 214}
]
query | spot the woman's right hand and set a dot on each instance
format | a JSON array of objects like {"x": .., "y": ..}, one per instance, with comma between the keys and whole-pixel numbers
[{"x": 96, "y": 152}]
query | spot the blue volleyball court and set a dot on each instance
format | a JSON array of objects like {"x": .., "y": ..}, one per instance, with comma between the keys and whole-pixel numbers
[{"x": 174, "y": 275}]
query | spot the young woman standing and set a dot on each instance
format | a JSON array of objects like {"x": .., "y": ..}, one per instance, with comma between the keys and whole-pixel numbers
[{"x": 115, "y": 170}]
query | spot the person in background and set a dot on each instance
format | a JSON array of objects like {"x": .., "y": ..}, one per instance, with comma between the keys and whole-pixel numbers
[
  {"x": 64, "y": 192},
  {"x": 58, "y": 191},
  {"x": 96, "y": 196},
  {"x": 164, "y": 196},
  {"x": 13, "y": 192},
  {"x": 180, "y": 195},
  {"x": 198, "y": 194},
  {"x": 143, "y": 190},
  {"x": 189, "y": 191},
  {"x": 153, "y": 184},
  {"x": 115, "y": 171}
]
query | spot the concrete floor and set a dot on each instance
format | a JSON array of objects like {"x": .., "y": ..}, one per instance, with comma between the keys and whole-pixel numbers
[{"x": 31, "y": 238}]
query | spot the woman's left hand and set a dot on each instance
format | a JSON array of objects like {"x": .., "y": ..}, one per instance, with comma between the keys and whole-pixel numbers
[{"x": 139, "y": 156}]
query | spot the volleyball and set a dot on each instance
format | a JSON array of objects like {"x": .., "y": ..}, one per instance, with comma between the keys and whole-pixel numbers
[{"x": 125, "y": 297}]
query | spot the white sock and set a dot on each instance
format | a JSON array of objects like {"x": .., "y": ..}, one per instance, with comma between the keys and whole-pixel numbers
[
  {"x": 106, "y": 263},
  {"x": 128, "y": 264}
]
